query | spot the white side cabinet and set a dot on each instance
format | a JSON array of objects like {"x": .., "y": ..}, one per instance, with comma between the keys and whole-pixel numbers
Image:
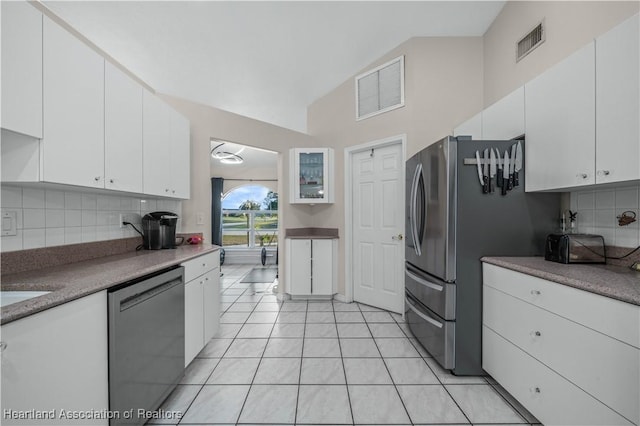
[
  {"x": 21, "y": 68},
  {"x": 73, "y": 83},
  {"x": 504, "y": 119},
  {"x": 618, "y": 103},
  {"x": 57, "y": 360},
  {"x": 545, "y": 343},
  {"x": 560, "y": 124},
  {"x": 202, "y": 302},
  {"x": 311, "y": 177},
  {"x": 472, "y": 127},
  {"x": 122, "y": 132},
  {"x": 312, "y": 267}
]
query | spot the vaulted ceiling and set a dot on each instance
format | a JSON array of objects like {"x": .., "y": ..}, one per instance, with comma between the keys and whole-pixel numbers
[{"x": 265, "y": 60}]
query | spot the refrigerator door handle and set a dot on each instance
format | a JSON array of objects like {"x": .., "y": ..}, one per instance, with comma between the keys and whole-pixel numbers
[
  {"x": 413, "y": 214},
  {"x": 423, "y": 281},
  {"x": 424, "y": 316}
]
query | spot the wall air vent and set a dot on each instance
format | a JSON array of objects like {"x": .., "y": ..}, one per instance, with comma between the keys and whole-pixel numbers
[
  {"x": 530, "y": 41},
  {"x": 381, "y": 89}
]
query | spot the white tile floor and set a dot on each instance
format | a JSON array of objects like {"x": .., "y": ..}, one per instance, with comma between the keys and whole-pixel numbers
[{"x": 324, "y": 363}]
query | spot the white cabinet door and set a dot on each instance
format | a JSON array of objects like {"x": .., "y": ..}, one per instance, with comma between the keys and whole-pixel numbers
[
  {"x": 299, "y": 266},
  {"x": 311, "y": 175},
  {"x": 472, "y": 127},
  {"x": 122, "y": 132},
  {"x": 211, "y": 301},
  {"x": 21, "y": 68},
  {"x": 181, "y": 156},
  {"x": 58, "y": 359},
  {"x": 560, "y": 124},
  {"x": 322, "y": 267},
  {"x": 156, "y": 137},
  {"x": 73, "y": 143},
  {"x": 193, "y": 319},
  {"x": 504, "y": 119},
  {"x": 618, "y": 103}
]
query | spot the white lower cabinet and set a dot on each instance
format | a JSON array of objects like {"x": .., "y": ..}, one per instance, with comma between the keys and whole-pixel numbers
[
  {"x": 551, "y": 347},
  {"x": 201, "y": 303},
  {"x": 312, "y": 267},
  {"x": 57, "y": 360}
]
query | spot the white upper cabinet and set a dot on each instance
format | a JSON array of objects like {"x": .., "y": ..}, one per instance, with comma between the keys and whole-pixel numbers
[
  {"x": 73, "y": 143},
  {"x": 167, "y": 149},
  {"x": 156, "y": 137},
  {"x": 122, "y": 132},
  {"x": 181, "y": 156},
  {"x": 311, "y": 175},
  {"x": 21, "y": 68},
  {"x": 618, "y": 103},
  {"x": 472, "y": 127},
  {"x": 504, "y": 119},
  {"x": 560, "y": 124}
]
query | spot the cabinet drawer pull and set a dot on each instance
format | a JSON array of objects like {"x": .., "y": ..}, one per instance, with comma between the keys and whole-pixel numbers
[
  {"x": 582, "y": 175},
  {"x": 97, "y": 178},
  {"x": 535, "y": 390},
  {"x": 535, "y": 292},
  {"x": 110, "y": 180},
  {"x": 3, "y": 346},
  {"x": 536, "y": 333}
]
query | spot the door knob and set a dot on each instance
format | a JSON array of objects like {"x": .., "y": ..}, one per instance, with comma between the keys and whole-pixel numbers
[{"x": 397, "y": 237}]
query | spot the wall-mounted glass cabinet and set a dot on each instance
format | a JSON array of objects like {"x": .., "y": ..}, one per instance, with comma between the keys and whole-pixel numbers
[{"x": 311, "y": 175}]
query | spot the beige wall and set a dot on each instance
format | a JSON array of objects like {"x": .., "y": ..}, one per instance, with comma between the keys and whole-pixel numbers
[
  {"x": 443, "y": 85},
  {"x": 569, "y": 26},
  {"x": 208, "y": 122}
]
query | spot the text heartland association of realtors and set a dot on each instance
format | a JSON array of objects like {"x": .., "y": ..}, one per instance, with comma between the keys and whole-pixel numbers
[{"x": 88, "y": 414}]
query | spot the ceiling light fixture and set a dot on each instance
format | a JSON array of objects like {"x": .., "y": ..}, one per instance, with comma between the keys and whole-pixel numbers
[{"x": 226, "y": 157}]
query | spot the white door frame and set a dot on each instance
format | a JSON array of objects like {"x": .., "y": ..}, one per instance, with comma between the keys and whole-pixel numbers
[{"x": 348, "y": 202}]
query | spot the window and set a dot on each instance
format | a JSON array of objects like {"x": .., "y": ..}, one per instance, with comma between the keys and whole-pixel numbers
[
  {"x": 381, "y": 89},
  {"x": 250, "y": 217}
]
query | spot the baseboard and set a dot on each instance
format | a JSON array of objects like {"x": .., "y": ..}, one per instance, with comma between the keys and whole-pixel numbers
[{"x": 340, "y": 298}]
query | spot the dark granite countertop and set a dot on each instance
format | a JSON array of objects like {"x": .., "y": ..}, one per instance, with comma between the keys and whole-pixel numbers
[
  {"x": 314, "y": 233},
  {"x": 616, "y": 282},
  {"x": 74, "y": 280}
]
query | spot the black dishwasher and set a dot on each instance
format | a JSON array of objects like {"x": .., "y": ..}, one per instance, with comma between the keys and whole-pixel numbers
[{"x": 146, "y": 344}]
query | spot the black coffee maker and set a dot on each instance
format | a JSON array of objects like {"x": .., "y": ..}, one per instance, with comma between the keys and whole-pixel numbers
[{"x": 159, "y": 230}]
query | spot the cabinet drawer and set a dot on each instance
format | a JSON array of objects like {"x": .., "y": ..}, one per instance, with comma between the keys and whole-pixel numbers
[
  {"x": 606, "y": 368},
  {"x": 549, "y": 397},
  {"x": 608, "y": 316},
  {"x": 195, "y": 267}
]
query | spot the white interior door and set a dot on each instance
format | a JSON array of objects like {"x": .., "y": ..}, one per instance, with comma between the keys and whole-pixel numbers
[{"x": 377, "y": 193}]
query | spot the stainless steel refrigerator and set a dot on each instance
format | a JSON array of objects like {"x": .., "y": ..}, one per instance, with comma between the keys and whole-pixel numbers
[{"x": 451, "y": 222}]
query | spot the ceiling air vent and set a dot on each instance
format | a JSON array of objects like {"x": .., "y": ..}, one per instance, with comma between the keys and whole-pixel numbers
[
  {"x": 530, "y": 41},
  {"x": 381, "y": 89}
]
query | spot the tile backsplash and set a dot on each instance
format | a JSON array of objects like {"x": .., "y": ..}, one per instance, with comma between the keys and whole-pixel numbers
[
  {"x": 48, "y": 217},
  {"x": 598, "y": 212}
]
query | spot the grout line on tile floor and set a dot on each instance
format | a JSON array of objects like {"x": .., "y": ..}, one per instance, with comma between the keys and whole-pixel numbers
[
  {"x": 344, "y": 369},
  {"x": 388, "y": 372}
]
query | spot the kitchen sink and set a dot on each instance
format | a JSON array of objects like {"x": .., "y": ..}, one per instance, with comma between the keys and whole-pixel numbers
[{"x": 11, "y": 297}]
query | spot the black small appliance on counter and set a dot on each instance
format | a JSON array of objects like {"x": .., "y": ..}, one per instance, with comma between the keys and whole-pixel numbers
[
  {"x": 159, "y": 230},
  {"x": 575, "y": 248}
]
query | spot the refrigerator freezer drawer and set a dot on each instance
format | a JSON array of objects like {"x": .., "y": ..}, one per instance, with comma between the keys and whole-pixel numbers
[
  {"x": 435, "y": 294},
  {"x": 434, "y": 334}
]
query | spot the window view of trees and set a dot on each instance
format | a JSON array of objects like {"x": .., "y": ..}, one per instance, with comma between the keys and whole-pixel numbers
[{"x": 252, "y": 223}]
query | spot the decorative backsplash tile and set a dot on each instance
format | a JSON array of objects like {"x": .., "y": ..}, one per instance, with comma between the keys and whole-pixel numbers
[
  {"x": 48, "y": 217},
  {"x": 598, "y": 212}
]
